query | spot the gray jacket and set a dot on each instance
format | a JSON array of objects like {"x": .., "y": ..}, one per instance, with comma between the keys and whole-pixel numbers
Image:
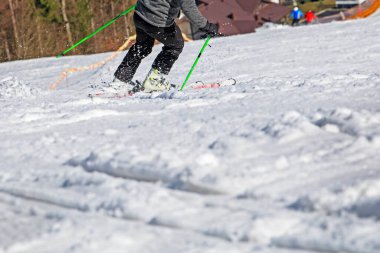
[{"x": 162, "y": 13}]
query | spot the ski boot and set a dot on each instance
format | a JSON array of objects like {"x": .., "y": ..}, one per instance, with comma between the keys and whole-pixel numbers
[
  {"x": 156, "y": 81},
  {"x": 118, "y": 86}
]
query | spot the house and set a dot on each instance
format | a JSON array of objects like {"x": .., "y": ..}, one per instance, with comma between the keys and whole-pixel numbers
[
  {"x": 235, "y": 16},
  {"x": 348, "y": 3}
]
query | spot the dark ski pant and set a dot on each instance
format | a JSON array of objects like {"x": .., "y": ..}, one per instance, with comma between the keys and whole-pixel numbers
[
  {"x": 146, "y": 33},
  {"x": 295, "y": 22}
]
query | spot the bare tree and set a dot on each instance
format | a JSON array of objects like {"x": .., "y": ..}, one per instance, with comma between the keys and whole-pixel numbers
[
  {"x": 113, "y": 15},
  {"x": 6, "y": 45},
  {"x": 66, "y": 20},
  {"x": 15, "y": 30},
  {"x": 126, "y": 18},
  {"x": 39, "y": 34},
  {"x": 41, "y": 28},
  {"x": 95, "y": 39},
  {"x": 24, "y": 31}
]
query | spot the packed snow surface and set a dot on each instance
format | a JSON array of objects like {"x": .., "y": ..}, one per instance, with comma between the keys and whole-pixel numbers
[{"x": 287, "y": 160}]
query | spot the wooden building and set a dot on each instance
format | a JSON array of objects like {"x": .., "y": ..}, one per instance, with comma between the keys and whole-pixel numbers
[{"x": 235, "y": 16}]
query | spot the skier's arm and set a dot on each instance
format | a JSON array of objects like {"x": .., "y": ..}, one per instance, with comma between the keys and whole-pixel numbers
[{"x": 191, "y": 11}]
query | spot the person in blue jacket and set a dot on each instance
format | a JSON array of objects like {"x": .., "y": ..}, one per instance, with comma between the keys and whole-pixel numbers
[{"x": 296, "y": 15}]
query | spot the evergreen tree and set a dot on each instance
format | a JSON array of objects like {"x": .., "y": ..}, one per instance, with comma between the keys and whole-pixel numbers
[{"x": 49, "y": 10}]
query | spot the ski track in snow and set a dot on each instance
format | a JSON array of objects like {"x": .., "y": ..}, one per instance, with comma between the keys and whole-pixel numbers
[{"x": 287, "y": 160}]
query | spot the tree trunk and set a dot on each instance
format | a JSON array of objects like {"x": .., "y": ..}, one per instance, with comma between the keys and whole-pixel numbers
[
  {"x": 6, "y": 45},
  {"x": 67, "y": 23},
  {"x": 23, "y": 34},
  {"x": 39, "y": 33},
  {"x": 95, "y": 38},
  {"x": 15, "y": 30},
  {"x": 113, "y": 15},
  {"x": 126, "y": 21},
  {"x": 101, "y": 38},
  {"x": 92, "y": 7}
]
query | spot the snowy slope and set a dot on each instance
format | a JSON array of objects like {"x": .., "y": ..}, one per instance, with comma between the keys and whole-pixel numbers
[{"x": 285, "y": 161}]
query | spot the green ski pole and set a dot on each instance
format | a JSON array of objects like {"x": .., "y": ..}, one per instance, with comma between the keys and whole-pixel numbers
[
  {"x": 98, "y": 30},
  {"x": 196, "y": 62}
]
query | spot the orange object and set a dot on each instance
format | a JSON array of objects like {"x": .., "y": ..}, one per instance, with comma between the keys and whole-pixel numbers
[{"x": 367, "y": 12}]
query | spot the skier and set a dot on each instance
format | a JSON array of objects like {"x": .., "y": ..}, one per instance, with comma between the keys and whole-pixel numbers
[
  {"x": 310, "y": 17},
  {"x": 155, "y": 19},
  {"x": 296, "y": 15}
]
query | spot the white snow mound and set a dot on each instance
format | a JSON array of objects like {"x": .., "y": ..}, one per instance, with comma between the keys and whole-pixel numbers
[{"x": 12, "y": 87}]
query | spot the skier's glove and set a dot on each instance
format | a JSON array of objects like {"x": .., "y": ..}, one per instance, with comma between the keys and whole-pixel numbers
[{"x": 210, "y": 29}]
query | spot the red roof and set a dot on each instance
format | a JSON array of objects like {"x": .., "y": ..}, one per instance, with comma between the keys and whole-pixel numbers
[
  {"x": 273, "y": 12},
  {"x": 248, "y": 5},
  {"x": 240, "y": 16},
  {"x": 229, "y": 15}
]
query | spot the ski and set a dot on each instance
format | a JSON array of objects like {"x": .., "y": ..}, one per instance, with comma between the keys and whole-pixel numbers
[
  {"x": 199, "y": 85},
  {"x": 98, "y": 92}
]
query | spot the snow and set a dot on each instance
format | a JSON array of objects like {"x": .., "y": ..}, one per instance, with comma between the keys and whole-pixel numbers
[
  {"x": 287, "y": 160},
  {"x": 11, "y": 87}
]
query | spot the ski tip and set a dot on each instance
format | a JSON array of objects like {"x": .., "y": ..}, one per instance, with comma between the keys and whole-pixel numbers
[{"x": 60, "y": 55}]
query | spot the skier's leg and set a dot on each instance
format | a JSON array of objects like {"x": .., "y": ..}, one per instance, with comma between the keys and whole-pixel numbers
[
  {"x": 140, "y": 50},
  {"x": 173, "y": 46},
  {"x": 171, "y": 37}
]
